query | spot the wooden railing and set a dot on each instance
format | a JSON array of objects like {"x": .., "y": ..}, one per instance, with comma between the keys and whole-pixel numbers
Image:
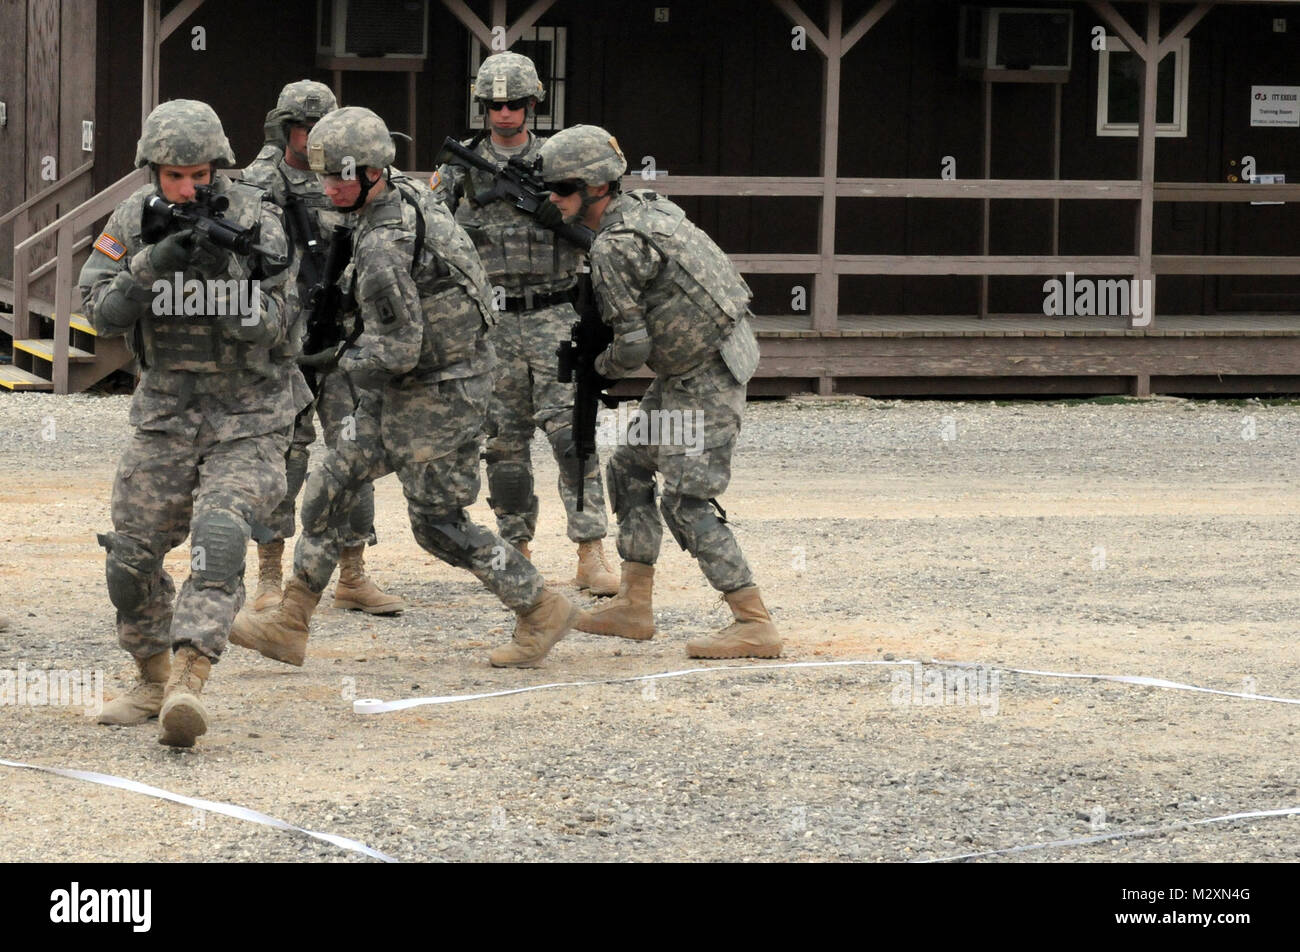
[{"x": 64, "y": 230}]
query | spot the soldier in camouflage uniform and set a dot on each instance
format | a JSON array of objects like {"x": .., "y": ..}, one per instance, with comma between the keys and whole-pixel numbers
[
  {"x": 536, "y": 271},
  {"x": 212, "y": 414},
  {"x": 281, "y": 169},
  {"x": 677, "y": 305},
  {"x": 422, "y": 367}
]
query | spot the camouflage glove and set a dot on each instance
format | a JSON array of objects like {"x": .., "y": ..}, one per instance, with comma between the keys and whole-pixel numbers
[
  {"x": 208, "y": 259},
  {"x": 165, "y": 258},
  {"x": 548, "y": 215}
]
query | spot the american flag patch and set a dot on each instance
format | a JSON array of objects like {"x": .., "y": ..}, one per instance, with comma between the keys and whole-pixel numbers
[{"x": 107, "y": 244}]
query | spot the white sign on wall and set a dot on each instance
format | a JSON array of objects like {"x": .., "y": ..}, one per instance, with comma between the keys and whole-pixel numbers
[{"x": 1275, "y": 106}]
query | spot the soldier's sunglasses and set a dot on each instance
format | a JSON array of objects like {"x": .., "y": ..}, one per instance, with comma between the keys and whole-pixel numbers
[
  {"x": 565, "y": 188},
  {"x": 514, "y": 105}
]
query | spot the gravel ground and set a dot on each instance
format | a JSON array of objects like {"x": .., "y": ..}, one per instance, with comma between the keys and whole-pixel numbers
[{"x": 1153, "y": 538}]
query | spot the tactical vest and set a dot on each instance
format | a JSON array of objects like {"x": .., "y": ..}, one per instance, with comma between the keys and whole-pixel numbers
[
  {"x": 197, "y": 343},
  {"x": 697, "y": 299},
  {"x": 517, "y": 252},
  {"x": 455, "y": 297}
]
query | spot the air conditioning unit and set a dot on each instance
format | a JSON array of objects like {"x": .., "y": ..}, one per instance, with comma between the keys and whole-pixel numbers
[
  {"x": 367, "y": 29},
  {"x": 1016, "y": 39}
]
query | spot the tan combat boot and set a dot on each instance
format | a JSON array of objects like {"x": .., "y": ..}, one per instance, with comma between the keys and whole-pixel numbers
[
  {"x": 536, "y": 632},
  {"x": 524, "y": 549},
  {"x": 145, "y": 699},
  {"x": 269, "y": 575},
  {"x": 356, "y": 591},
  {"x": 751, "y": 635},
  {"x": 628, "y": 614},
  {"x": 594, "y": 572},
  {"x": 280, "y": 634},
  {"x": 183, "y": 717}
]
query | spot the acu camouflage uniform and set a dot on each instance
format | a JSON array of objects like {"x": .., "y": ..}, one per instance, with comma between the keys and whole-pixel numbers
[
  {"x": 211, "y": 416},
  {"x": 677, "y": 305},
  {"x": 536, "y": 270},
  {"x": 422, "y": 366},
  {"x": 335, "y": 401}
]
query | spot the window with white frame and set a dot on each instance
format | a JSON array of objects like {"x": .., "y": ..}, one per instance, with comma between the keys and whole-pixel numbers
[
  {"x": 1119, "y": 90},
  {"x": 544, "y": 45}
]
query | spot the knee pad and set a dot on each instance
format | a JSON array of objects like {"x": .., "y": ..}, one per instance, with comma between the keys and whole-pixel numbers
[
  {"x": 130, "y": 570},
  {"x": 362, "y": 517},
  {"x": 623, "y": 492},
  {"x": 510, "y": 487},
  {"x": 689, "y": 519},
  {"x": 217, "y": 545},
  {"x": 447, "y": 535}
]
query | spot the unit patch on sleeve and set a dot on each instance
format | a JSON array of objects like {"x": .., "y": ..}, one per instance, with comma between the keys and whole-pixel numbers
[{"x": 107, "y": 244}]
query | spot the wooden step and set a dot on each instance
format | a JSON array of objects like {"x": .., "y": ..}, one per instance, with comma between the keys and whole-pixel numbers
[
  {"x": 78, "y": 322},
  {"x": 44, "y": 349},
  {"x": 12, "y": 378}
]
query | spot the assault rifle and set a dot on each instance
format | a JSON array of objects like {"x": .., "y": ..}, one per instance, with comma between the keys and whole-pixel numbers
[
  {"x": 321, "y": 307},
  {"x": 205, "y": 216},
  {"x": 587, "y": 341},
  {"x": 516, "y": 182}
]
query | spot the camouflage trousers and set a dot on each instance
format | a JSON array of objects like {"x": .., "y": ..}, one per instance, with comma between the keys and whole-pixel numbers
[
  {"x": 684, "y": 429},
  {"x": 165, "y": 483},
  {"x": 334, "y": 407},
  {"x": 528, "y": 396},
  {"x": 428, "y": 433}
]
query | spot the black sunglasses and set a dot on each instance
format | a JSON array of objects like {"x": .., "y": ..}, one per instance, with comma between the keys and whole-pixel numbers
[
  {"x": 566, "y": 188},
  {"x": 514, "y": 105}
]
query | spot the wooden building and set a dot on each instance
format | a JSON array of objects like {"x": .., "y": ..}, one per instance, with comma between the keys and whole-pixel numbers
[{"x": 898, "y": 179}]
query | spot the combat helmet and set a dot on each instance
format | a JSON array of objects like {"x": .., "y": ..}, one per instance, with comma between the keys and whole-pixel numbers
[
  {"x": 582, "y": 153},
  {"x": 183, "y": 132},
  {"x": 349, "y": 137},
  {"x": 305, "y": 101},
  {"x": 507, "y": 76}
]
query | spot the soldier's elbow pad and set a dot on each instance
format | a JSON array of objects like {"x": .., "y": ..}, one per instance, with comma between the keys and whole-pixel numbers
[{"x": 122, "y": 305}]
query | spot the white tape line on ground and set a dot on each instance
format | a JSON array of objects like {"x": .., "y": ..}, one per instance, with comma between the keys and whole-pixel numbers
[
  {"x": 212, "y": 806},
  {"x": 1125, "y": 834},
  {"x": 378, "y": 706}
]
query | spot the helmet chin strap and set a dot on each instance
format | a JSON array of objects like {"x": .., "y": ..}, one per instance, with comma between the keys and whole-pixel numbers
[{"x": 367, "y": 186}]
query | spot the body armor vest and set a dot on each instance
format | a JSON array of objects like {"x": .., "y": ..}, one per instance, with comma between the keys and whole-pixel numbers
[
  {"x": 196, "y": 343},
  {"x": 698, "y": 290},
  {"x": 517, "y": 252}
]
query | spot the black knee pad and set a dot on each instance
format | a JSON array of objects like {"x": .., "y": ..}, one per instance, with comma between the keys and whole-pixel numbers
[
  {"x": 447, "y": 535},
  {"x": 129, "y": 570},
  {"x": 689, "y": 519},
  {"x": 217, "y": 546},
  {"x": 510, "y": 487}
]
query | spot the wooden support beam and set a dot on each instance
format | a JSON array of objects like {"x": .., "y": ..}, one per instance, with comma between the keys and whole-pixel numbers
[
  {"x": 499, "y": 16},
  {"x": 525, "y": 22},
  {"x": 791, "y": 9},
  {"x": 826, "y": 296},
  {"x": 461, "y": 11},
  {"x": 869, "y": 19},
  {"x": 178, "y": 16},
  {"x": 1188, "y": 22},
  {"x": 1147, "y": 160},
  {"x": 149, "y": 60},
  {"x": 1121, "y": 26}
]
